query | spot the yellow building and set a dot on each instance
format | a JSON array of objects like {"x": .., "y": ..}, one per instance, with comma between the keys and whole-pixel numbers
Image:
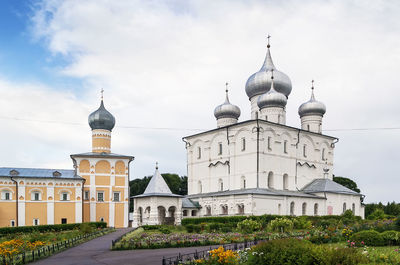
[{"x": 96, "y": 190}]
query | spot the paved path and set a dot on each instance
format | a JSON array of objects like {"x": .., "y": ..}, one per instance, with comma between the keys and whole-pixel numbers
[{"x": 97, "y": 251}]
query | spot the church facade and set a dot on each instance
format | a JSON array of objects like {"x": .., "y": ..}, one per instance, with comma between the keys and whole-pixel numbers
[
  {"x": 262, "y": 166},
  {"x": 97, "y": 189}
]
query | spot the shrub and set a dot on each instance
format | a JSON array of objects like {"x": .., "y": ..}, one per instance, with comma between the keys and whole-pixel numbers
[
  {"x": 302, "y": 223},
  {"x": 367, "y": 237},
  {"x": 377, "y": 214},
  {"x": 47, "y": 228},
  {"x": 281, "y": 225},
  {"x": 390, "y": 237},
  {"x": 189, "y": 228},
  {"x": 165, "y": 230},
  {"x": 86, "y": 228},
  {"x": 397, "y": 223},
  {"x": 248, "y": 226}
]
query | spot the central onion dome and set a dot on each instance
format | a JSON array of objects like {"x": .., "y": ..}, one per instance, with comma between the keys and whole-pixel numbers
[
  {"x": 101, "y": 119},
  {"x": 312, "y": 107},
  {"x": 272, "y": 98},
  {"x": 227, "y": 110},
  {"x": 260, "y": 82}
]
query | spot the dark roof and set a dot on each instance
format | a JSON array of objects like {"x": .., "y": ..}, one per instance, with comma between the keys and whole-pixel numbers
[
  {"x": 327, "y": 185},
  {"x": 258, "y": 191},
  {"x": 188, "y": 203},
  {"x": 38, "y": 173},
  {"x": 103, "y": 154},
  {"x": 261, "y": 121}
]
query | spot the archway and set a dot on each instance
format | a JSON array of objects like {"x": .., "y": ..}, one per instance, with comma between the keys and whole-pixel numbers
[
  {"x": 170, "y": 220},
  {"x": 161, "y": 214}
]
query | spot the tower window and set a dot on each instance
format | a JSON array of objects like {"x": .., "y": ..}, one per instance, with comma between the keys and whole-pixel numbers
[
  {"x": 285, "y": 147},
  {"x": 243, "y": 144},
  {"x": 269, "y": 143},
  {"x": 323, "y": 154},
  {"x": 198, "y": 152},
  {"x": 219, "y": 148},
  {"x": 305, "y": 150}
]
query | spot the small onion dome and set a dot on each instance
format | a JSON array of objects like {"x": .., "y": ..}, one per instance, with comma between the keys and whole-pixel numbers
[
  {"x": 101, "y": 119},
  {"x": 312, "y": 107},
  {"x": 227, "y": 110},
  {"x": 272, "y": 98},
  {"x": 260, "y": 82}
]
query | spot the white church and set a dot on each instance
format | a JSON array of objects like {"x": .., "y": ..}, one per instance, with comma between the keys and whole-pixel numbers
[{"x": 255, "y": 167}]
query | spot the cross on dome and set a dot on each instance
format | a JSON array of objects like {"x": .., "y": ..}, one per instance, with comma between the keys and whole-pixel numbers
[
  {"x": 156, "y": 165},
  {"x": 268, "y": 45},
  {"x": 102, "y": 93}
]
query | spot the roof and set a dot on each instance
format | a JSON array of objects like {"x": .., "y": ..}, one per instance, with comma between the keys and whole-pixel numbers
[
  {"x": 327, "y": 185},
  {"x": 258, "y": 191},
  {"x": 157, "y": 187},
  {"x": 103, "y": 154},
  {"x": 188, "y": 203},
  {"x": 261, "y": 121},
  {"x": 38, "y": 173}
]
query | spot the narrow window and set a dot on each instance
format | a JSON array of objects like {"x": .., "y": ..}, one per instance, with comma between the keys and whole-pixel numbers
[
  {"x": 219, "y": 148},
  {"x": 344, "y": 207},
  {"x": 353, "y": 208},
  {"x": 308, "y": 127},
  {"x": 35, "y": 221},
  {"x": 7, "y": 196},
  {"x": 304, "y": 209},
  {"x": 285, "y": 147},
  {"x": 100, "y": 196},
  {"x": 285, "y": 181},
  {"x": 279, "y": 118},
  {"x": 316, "y": 209},
  {"x": 63, "y": 220},
  {"x": 266, "y": 118},
  {"x": 305, "y": 150},
  {"x": 36, "y": 196},
  {"x": 86, "y": 195},
  {"x": 323, "y": 154},
  {"x": 12, "y": 223},
  {"x": 198, "y": 152},
  {"x": 101, "y": 219},
  {"x": 243, "y": 144},
  {"x": 116, "y": 196},
  {"x": 292, "y": 208},
  {"x": 269, "y": 143},
  {"x": 221, "y": 185}
]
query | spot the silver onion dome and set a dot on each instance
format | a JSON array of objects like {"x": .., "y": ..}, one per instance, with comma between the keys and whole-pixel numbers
[
  {"x": 312, "y": 107},
  {"x": 260, "y": 82},
  {"x": 101, "y": 119},
  {"x": 272, "y": 98},
  {"x": 227, "y": 110}
]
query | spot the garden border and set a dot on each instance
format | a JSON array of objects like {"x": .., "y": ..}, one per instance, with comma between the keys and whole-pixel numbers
[
  {"x": 113, "y": 242},
  {"x": 30, "y": 256}
]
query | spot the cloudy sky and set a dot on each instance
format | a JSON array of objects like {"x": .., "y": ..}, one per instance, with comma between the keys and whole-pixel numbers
[{"x": 163, "y": 65}]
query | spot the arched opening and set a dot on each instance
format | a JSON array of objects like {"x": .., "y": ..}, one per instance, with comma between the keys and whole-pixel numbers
[
  {"x": 316, "y": 209},
  {"x": 270, "y": 180},
  {"x": 285, "y": 181},
  {"x": 344, "y": 207},
  {"x": 353, "y": 208},
  {"x": 147, "y": 213},
  {"x": 208, "y": 210},
  {"x": 171, "y": 216},
  {"x": 304, "y": 208},
  {"x": 161, "y": 215},
  {"x": 103, "y": 166},
  {"x": 240, "y": 208},
  {"x": 292, "y": 208},
  {"x": 224, "y": 209},
  {"x": 140, "y": 212}
]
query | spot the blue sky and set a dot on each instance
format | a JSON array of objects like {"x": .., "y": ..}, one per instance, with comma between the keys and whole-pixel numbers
[{"x": 163, "y": 64}]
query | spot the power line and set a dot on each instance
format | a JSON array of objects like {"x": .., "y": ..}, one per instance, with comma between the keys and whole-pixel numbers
[{"x": 181, "y": 129}]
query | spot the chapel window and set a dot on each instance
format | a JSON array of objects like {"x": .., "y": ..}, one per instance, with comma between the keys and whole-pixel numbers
[
  {"x": 243, "y": 144},
  {"x": 198, "y": 152},
  {"x": 323, "y": 154},
  {"x": 304, "y": 208},
  {"x": 219, "y": 148},
  {"x": 353, "y": 208},
  {"x": 316, "y": 209},
  {"x": 344, "y": 207},
  {"x": 285, "y": 146},
  {"x": 269, "y": 143},
  {"x": 292, "y": 208}
]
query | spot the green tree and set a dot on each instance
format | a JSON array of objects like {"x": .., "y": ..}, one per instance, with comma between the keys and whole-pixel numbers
[{"x": 348, "y": 183}]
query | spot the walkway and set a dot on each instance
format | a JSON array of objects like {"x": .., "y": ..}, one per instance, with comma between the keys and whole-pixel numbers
[{"x": 97, "y": 251}]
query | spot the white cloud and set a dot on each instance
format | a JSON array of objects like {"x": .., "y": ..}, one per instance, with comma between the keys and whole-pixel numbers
[{"x": 164, "y": 64}]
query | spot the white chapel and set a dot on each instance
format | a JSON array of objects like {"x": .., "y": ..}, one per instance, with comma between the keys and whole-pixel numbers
[{"x": 263, "y": 166}]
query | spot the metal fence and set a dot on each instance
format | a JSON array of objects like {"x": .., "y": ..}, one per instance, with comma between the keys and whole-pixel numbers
[
  {"x": 204, "y": 254},
  {"x": 30, "y": 256}
]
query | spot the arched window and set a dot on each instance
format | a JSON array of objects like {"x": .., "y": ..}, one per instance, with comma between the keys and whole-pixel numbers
[
  {"x": 243, "y": 182},
  {"x": 219, "y": 148},
  {"x": 243, "y": 144},
  {"x": 198, "y": 152},
  {"x": 316, "y": 209},
  {"x": 269, "y": 146},
  {"x": 279, "y": 209},
  {"x": 285, "y": 146},
  {"x": 305, "y": 150},
  {"x": 221, "y": 185},
  {"x": 292, "y": 208},
  {"x": 323, "y": 154},
  {"x": 285, "y": 181},
  {"x": 304, "y": 208},
  {"x": 224, "y": 209},
  {"x": 240, "y": 208},
  {"x": 344, "y": 207},
  {"x": 353, "y": 208},
  {"x": 270, "y": 180},
  {"x": 208, "y": 210},
  {"x": 200, "y": 187}
]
